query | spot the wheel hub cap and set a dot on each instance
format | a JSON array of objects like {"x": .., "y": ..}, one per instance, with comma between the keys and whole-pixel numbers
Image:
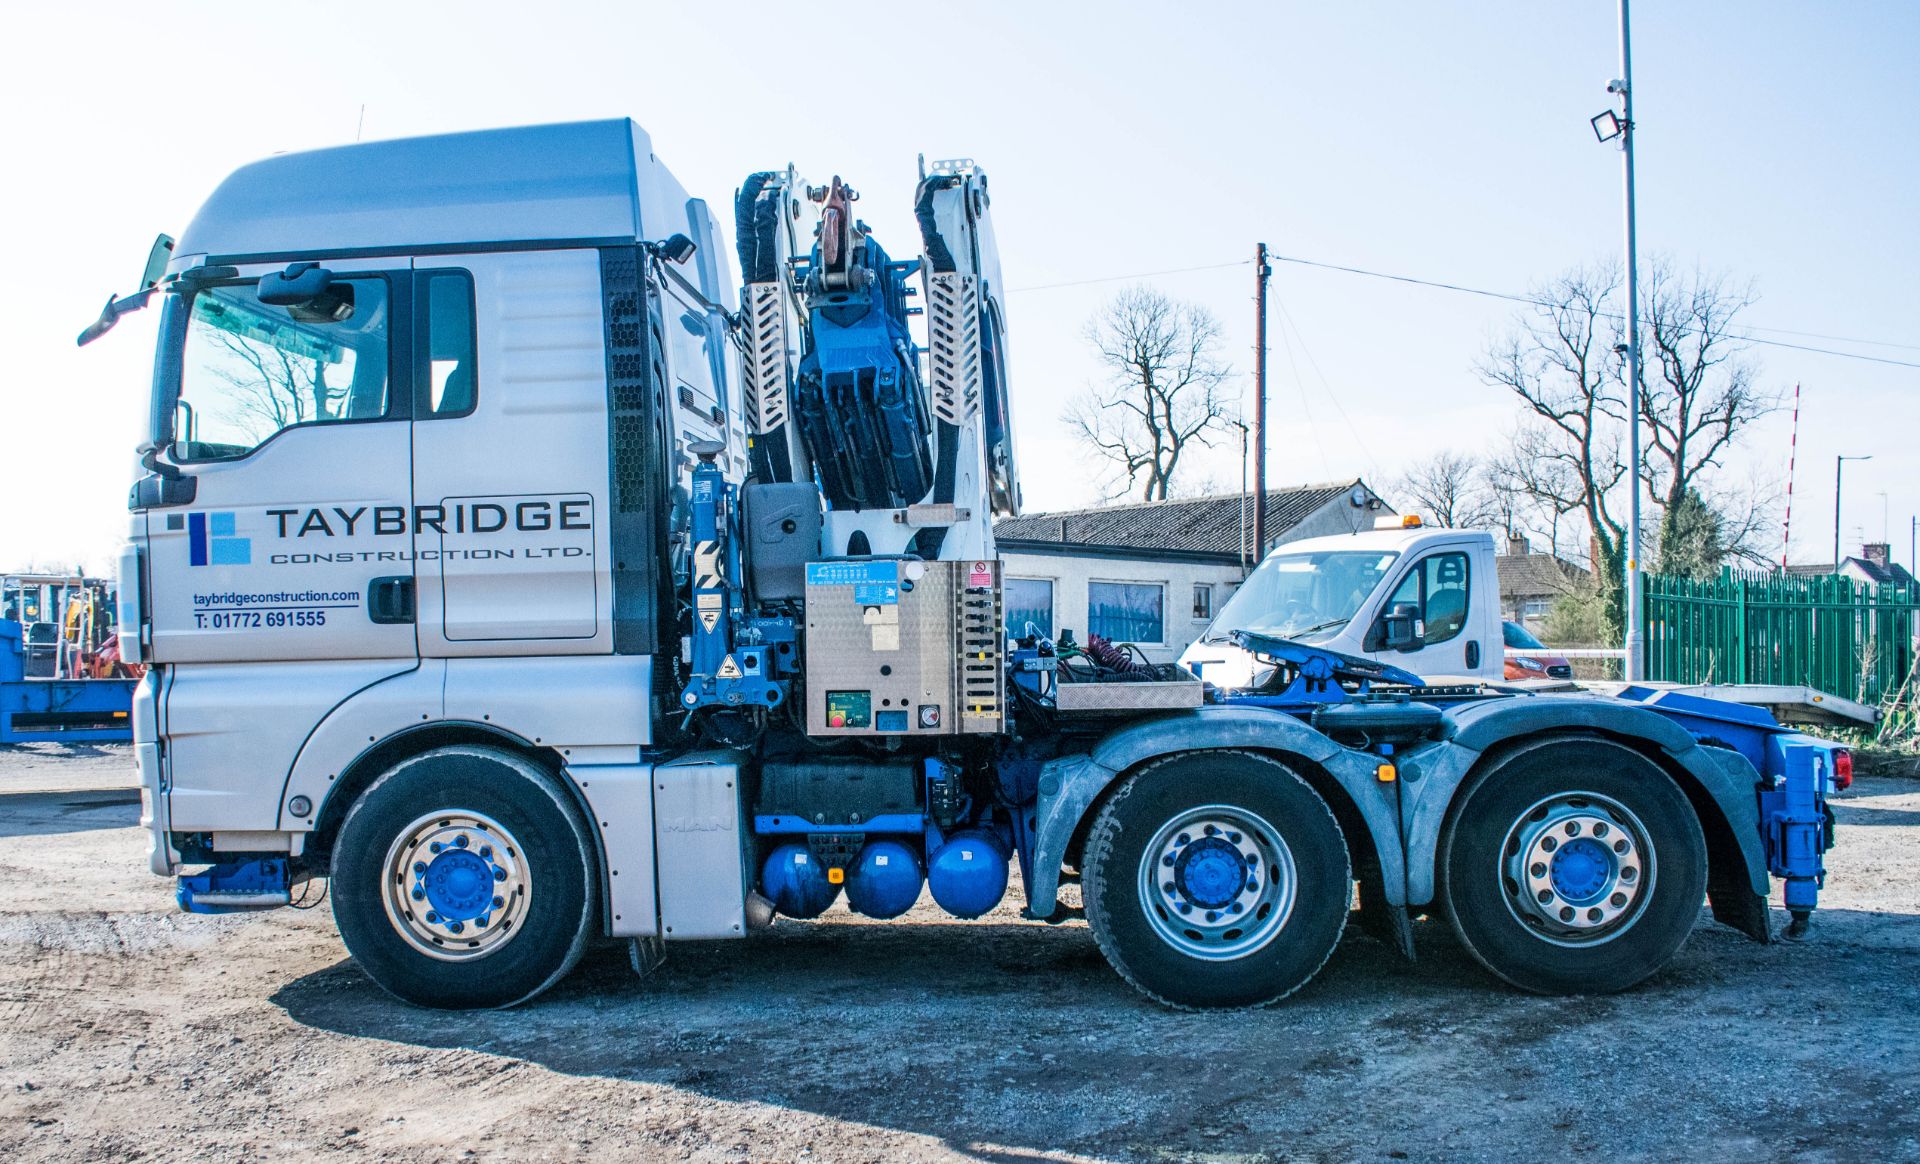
[
  {"x": 456, "y": 885},
  {"x": 1211, "y": 872},
  {"x": 1217, "y": 882},
  {"x": 1577, "y": 868}
]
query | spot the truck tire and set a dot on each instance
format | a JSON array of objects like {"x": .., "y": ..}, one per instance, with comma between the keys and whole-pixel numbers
[
  {"x": 1216, "y": 880},
  {"x": 463, "y": 878},
  {"x": 1573, "y": 866}
]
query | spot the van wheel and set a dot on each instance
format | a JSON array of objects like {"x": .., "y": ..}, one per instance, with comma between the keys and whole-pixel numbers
[
  {"x": 1575, "y": 866},
  {"x": 1216, "y": 879},
  {"x": 463, "y": 878}
]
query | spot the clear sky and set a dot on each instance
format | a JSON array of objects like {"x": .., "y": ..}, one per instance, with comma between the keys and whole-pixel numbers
[{"x": 1447, "y": 141}]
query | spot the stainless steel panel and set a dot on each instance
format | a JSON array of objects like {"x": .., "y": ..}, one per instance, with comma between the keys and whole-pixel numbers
[
  {"x": 923, "y": 660},
  {"x": 698, "y": 842}
]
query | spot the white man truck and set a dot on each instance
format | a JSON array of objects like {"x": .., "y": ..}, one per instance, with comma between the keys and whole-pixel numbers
[{"x": 500, "y": 560}]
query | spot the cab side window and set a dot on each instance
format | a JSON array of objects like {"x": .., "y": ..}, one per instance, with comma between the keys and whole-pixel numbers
[
  {"x": 1437, "y": 588},
  {"x": 448, "y": 382},
  {"x": 250, "y": 370}
]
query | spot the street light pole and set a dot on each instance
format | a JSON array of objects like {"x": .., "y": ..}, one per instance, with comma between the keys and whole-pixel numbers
[
  {"x": 1837, "y": 463},
  {"x": 1260, "y": 274},
  {"x": 1636, "y": 634},
  {"x": 1242, "y": 426}
]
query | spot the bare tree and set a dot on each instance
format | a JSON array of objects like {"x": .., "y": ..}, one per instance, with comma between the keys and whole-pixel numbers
[
  {"x": 1559, "y": 361},
  {"x": 1534, "y": 494},
  {"x": 1697, "y": 394},
  {"x": 1452, "y": 490},
  {"x": 1162, "y": 389},
  {"x": 274, "y": 386}
]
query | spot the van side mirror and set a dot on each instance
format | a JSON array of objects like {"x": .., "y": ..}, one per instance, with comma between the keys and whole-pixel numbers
[{"x": 1400, "y": 628}]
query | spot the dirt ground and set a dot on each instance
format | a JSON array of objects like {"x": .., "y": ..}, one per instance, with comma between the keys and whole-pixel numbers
[{"x": 131, "y": 1031}]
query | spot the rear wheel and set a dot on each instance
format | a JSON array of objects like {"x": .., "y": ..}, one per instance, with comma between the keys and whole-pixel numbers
[
  {"x": 1216, "y": 879},
  {"x": 462, "y": 878},
  {"x": 1573, "y": 866}
]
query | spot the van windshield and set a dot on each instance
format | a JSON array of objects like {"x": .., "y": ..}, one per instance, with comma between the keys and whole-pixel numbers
[{"x": 1306, "y": 596}]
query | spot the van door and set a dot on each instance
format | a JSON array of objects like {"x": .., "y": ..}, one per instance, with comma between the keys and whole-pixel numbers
[
  {"x": 293, "y": 423},
  {"x": 1440, "y": 585}
]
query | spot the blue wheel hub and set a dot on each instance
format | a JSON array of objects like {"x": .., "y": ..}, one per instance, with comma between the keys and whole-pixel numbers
[
  {"x": 1210, "y": 872},
  {"x": 459, "y": 885},
  {"x": 1216, "y": 882},
  {"x": 1581, "y": 870},
  {"x": 1577, "y": 868}
]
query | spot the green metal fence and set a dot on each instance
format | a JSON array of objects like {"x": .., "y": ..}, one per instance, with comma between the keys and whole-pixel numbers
[{"x": 1830, "y": 633}]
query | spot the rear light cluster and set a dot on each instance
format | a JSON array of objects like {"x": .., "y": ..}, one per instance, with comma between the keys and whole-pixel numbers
[{"x": 1842, "y": 769}]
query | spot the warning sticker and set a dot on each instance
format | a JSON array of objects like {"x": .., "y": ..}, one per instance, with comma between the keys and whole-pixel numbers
[
  {"x": 708, "y": 607},
  {"x": 853, "y": 573},
  {"x": 980, "y": 575},
  {"x": 728, "y": 669}
]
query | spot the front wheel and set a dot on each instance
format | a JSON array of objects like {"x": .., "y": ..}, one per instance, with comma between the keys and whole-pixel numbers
[
  {"x": 463, "y": 878},
  {"x": 1216, "y": 879},
  {"x": 1575, "y": 866}
]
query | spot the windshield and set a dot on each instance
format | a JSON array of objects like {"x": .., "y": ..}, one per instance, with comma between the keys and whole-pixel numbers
[
  {"x": 247, "y": 370},
  {"x": 1517, "y": 636},
  {"x": 1307, "y": 596}
]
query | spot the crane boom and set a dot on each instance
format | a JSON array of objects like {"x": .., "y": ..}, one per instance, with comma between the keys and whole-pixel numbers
[{"x": 909, "y": 461}]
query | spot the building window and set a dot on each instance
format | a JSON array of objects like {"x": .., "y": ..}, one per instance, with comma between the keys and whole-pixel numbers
[
  {"x": 1029, "y": 606},
  {"x": 1202, "y": 601},
  {"x": 1127, "y": 612},
  {"x": 1535, "y": 607}
]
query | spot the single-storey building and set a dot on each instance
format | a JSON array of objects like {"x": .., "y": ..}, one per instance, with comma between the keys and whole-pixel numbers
[{"x": 1153, "y": 574}]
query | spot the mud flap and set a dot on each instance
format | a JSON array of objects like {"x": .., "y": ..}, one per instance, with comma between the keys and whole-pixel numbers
[
  {"x": 1392, "y": 924},
  {"x": 1743, "y": 909}
]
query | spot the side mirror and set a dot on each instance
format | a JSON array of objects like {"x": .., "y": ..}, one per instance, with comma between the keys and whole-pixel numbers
[
  {"x": 1400, "y": 628},
  {"x": 297, "y": 286},
  {"x": 157, "y": 260}
]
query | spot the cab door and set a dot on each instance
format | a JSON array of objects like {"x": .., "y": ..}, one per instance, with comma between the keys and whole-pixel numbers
[
  {"x": 510, "y": 455},
  {"x": 1440, "y": 586},
  {"x": 293, "y": 422}
]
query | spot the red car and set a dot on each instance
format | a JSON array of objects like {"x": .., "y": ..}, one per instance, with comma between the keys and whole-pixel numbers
[{"x": 1537, "y": 662}]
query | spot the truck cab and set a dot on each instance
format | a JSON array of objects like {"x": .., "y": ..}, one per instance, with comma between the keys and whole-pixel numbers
[{"x": 1343, "y": 593}]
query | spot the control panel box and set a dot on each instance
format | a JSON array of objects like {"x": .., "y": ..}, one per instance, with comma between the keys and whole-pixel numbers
[{"x": 898, "y": 646}]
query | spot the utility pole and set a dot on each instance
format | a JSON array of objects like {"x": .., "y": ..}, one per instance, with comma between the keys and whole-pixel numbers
[{"x": 1260, "y": 274}]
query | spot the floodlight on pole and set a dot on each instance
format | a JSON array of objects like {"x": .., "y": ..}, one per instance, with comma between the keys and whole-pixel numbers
[{"x": 1838, "y": 462}]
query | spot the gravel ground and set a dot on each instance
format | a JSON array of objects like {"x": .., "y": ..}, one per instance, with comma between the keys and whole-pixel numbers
[{"x": 135, "y": 1032}]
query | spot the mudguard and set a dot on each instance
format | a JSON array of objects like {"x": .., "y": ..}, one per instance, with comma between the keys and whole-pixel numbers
[
  {"x": 1720, "y": 783},
  {"x": 1070, "y": 785}
]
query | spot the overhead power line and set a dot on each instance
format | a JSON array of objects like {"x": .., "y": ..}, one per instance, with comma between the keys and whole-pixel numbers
[
  {"x": 1510, "y": 297},
  {"x": 1538, "y": 302}
]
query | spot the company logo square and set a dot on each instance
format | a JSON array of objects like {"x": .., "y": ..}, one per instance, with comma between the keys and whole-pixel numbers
[{"x": 211, "y": 541}]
